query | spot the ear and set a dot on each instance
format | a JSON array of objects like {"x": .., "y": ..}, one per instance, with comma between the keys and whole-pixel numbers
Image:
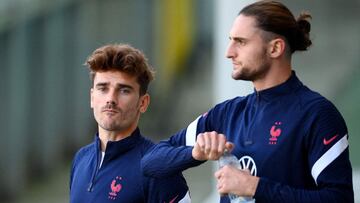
[
  {"x": 144, "y": 102},
  {"x": 91, "y": 97},
  {"x": 276, "y": 47}
]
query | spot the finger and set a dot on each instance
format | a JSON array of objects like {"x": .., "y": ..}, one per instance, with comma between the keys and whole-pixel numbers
[
  {"x": 214, "y": 146},
  {"x": 200, "y": 141},
  {"x": 226, "y": 168},
  {"x": 229, "y": 146},
  {"x": 220, "y": 189},
  {"x": 217, "y": 174},
  {"x": 207, "y": 141},
  {"x": 197, "y": 154},
  {"x": 221, "y": 143}
]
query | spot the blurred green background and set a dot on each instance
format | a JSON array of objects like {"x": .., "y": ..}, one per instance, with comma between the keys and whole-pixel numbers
[{"x": 44, "y": 88}]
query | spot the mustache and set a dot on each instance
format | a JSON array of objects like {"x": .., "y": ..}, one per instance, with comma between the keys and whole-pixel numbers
[{"x": 110, "y": 106}]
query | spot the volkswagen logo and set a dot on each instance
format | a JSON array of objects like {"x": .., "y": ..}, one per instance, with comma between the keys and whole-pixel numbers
[{"x": 246, "y": 162}]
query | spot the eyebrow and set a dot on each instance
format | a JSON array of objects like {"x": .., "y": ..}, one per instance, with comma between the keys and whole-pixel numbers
[
  {"x": 118, "y": 85},
  {"x": 237, "y": 38},
  {"x": 100, "y": 84}
]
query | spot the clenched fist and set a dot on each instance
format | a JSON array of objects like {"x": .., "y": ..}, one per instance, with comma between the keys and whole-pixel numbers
[{"x": 210, "y": 146}]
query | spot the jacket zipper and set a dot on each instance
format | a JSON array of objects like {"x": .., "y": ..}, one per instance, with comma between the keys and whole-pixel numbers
[
  {"x": 91, "y": 184},
  {"x": 249, "y": 137}
]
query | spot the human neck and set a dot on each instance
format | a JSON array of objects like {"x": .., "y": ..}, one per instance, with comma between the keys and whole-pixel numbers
[
  {"x": 278, "y": 74},
  {"x": 106, "y": 136}
]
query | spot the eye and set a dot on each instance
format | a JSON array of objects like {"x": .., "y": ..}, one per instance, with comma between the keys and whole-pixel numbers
[
  {"x": 240, "y": 42},
  {"x": 101, "y": 88},
  {"x": 125, "y": 91}
]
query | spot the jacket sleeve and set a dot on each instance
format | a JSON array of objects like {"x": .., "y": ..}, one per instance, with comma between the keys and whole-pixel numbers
[
  {"x": 169, "y": 157},
  {"x": 175, "y": 154},
  {"x": 327, "y": 150},
  {"x": 171, "y": 189}
]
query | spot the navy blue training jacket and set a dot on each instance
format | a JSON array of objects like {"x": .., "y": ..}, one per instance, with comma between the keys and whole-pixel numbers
[
  {"x": 120, "y": 178},
  {"x": 291, "y": 137}
]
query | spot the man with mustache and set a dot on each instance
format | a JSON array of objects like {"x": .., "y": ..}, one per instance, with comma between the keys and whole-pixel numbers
[
  {"x": 108, "y": 169},
  {"x": 292, "y": 140}
]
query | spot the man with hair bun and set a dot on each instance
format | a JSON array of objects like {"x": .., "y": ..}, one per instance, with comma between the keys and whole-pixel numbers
[{"x": 291, "y": 142}]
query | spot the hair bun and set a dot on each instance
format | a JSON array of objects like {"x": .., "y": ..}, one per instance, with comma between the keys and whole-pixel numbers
[
  {"x": 303, "y": 22},
  {"x": 304, "y": 28}
]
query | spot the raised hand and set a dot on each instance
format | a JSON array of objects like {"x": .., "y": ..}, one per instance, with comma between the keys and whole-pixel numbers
[{"x": 210, "y": 146}]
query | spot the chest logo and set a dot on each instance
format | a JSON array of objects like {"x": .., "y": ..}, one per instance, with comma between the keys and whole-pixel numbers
[
  {"x": 275, "y": 132},
  {"x": 246, "y": 162},
  {"x": 326, "y": 142},
  {"x": 115, "y": 188}
]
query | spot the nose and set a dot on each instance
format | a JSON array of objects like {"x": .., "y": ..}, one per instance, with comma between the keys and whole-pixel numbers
[
  {"x": 112, "y": 103},
  {"x": 230, "y": 51},
  {"x": 111, "y": 98}
]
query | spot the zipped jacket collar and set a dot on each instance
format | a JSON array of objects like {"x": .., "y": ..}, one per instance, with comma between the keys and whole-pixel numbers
[
  {"x": 289, "y": 86},
  {"x": 116, "y": 148}
]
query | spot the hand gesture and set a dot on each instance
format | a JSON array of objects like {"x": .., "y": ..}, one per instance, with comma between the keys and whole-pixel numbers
[
  {"x": 236, "y": 181},
  {"x": 210, "y": 146}
]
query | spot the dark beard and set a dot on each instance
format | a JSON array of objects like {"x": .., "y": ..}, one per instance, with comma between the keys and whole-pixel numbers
[
  {"x": 248, "y": 74},
  {"x": 252, "y": 75}
]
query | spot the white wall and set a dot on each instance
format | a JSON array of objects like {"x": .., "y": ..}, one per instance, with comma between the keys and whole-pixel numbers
[{"x": 224, "y": 86}]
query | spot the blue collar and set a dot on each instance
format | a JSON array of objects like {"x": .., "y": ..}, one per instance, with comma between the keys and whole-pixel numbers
[
  {"x": 289, "y": 86},
  {"x": 116, "y": 148}
]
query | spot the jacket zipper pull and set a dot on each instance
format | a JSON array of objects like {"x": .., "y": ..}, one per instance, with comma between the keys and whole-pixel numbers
[{"x": 90, "y": 187}]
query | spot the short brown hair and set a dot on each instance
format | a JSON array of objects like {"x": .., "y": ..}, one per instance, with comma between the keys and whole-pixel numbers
[
  {"x": 275, "y": 17},
  {"x": 124, "y": 58}
]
